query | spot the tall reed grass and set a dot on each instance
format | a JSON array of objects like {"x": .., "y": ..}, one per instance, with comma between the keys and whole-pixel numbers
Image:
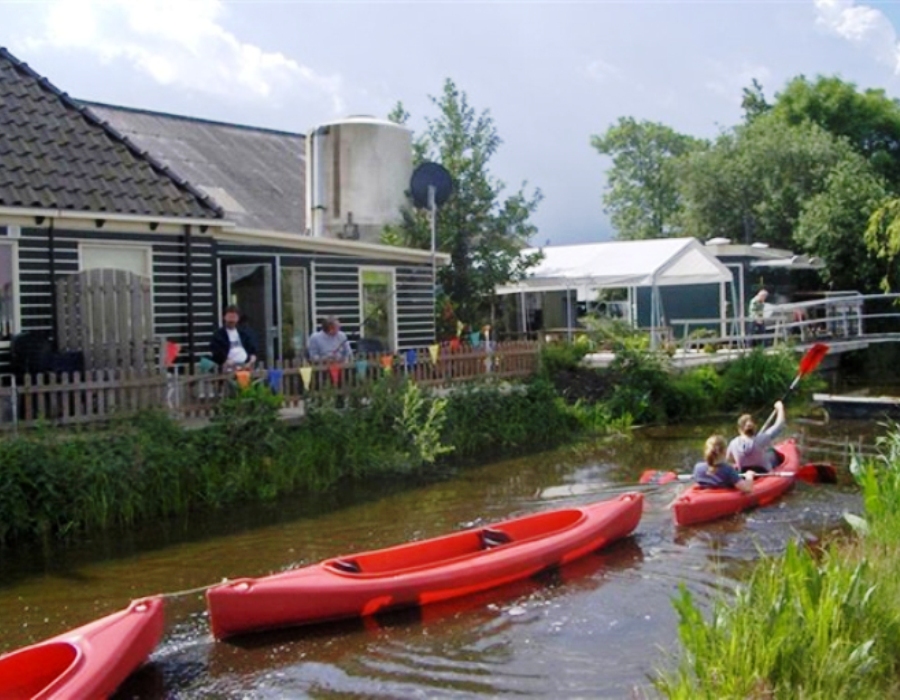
[{"x": 807, "y": 625}]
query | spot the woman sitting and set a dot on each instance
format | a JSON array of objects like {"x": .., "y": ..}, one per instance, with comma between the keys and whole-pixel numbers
[
  {"x": 715, "y": 473},
  {"x": 750, "y": 451}
]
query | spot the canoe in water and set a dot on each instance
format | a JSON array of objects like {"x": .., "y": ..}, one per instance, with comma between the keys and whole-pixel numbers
[
  {"x": 700, "y": 505},
  {"x": 421, "y": 572},
  {"x": 88, "y": 662}
]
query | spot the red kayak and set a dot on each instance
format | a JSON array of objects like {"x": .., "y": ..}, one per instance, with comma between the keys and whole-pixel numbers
[
  {"x": 88, "y": 662},
  {"x": 700, "y": 505},
  {"x": 419, "y": 573}
]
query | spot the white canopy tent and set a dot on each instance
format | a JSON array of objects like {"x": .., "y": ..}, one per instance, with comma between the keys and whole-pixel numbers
[{"x": 587, "y": 268}]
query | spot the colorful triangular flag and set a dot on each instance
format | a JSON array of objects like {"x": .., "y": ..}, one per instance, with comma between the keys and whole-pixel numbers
[{"x": 306, "y": 376}]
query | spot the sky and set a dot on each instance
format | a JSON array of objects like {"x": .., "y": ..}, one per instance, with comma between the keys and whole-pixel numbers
[{"x": 550, "y": 73}]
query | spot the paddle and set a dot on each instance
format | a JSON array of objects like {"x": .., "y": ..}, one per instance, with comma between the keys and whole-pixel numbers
[
  {"x": 808, "y": 363},
  {"x": 813, "y": 473}
]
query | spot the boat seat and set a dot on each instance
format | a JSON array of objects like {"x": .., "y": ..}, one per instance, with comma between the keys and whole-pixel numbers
[
  {"x": 494, "y": 538},
  {"x": 348, "y": 565}
]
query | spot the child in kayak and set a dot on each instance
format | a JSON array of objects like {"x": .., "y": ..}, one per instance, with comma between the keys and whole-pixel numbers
[
  {"x": 750, "y": 451},
  {"x": 715, "y": 473}
]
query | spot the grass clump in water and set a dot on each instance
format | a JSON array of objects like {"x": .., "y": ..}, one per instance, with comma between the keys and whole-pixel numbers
[{"x": 805, "y": 625}]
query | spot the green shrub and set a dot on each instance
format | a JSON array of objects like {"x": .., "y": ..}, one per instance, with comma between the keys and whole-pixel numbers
[
  {"x": 560, "y": 356},
  {"x": 757, "y": 379},
  {"x": 55, "y": 484}
]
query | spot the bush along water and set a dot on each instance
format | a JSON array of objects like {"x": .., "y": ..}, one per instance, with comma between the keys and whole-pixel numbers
[
  {"x": 642, "y": 386},
  {"x": 55, "y": 483},
  {"x": 807, "y": 625}
]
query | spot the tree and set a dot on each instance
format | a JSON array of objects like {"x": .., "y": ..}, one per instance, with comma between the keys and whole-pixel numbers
[
  {"x": 869, "y": 119},
  {"x": 483, "y": 232},
  {"x": 642, "y": 195},
  {"x": 833, "y": 223},
  {"x": 751, "y": 185},
  {"x": 754, "y": 102},
  {"x": 882, "y": 238}
]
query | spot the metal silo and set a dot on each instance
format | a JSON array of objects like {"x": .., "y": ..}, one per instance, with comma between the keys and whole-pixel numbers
[{"x": 357, "y": 174}]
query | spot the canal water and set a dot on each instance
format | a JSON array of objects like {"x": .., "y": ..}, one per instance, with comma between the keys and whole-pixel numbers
[{"x": 599, "y": 628}]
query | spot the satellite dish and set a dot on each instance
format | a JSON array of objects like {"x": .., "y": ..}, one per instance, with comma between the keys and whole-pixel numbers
[{"x": 429, "y": 175}]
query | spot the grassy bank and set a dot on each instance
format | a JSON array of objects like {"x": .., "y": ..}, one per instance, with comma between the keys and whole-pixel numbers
[
  {"x": 809, "y": 624},
  {"x": 57, "y": 484}
]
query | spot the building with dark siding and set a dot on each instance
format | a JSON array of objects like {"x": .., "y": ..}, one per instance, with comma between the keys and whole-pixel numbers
[{"x": 210, "y": 213}]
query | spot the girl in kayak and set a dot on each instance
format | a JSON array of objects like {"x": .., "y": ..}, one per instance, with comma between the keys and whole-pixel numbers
[
  {"x": 715, "y": 473},
  {"x": 750, "y": 451}
]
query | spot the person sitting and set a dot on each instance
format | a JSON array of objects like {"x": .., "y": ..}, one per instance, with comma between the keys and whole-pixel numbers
[
  {"x": 715, "y": 473},
  {"x": 750, "y": 451},
  {"x": 232, "y": 348},
  {"x": 330, "y": 343}
]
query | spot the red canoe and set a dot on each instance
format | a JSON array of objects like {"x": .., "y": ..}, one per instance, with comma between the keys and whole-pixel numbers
[
  {"x": 88, "y": 662},
  {"x": 699, "y": 505},
  {"x": 419, "y": 573}
]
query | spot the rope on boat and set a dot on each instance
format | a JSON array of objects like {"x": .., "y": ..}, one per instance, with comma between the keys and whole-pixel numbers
[{"x": 191, "y": 591}]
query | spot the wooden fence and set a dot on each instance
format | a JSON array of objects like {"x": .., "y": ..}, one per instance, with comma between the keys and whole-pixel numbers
[
  {"x": 100, "y": 395},
  {"x": 107, "y": 315}
]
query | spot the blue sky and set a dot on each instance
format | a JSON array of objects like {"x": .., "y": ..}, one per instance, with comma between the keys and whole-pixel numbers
[{"x": 551, "y": 73}]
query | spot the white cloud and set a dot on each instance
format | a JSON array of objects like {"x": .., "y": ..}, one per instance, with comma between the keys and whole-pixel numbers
[
  {"x": 865, "y": 26},
  {"x": 181, "y": 43}
]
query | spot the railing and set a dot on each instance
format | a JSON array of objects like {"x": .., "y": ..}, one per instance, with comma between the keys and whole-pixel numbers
[
  {"x": 100, "y": 395},
  {"x": 845, "y": 317}
]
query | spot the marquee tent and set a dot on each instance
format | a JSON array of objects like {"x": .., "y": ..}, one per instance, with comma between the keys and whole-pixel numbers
[{"x": 584, "y": 269}]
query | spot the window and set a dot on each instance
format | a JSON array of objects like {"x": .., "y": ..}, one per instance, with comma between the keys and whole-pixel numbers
[
  {"x": 294, "y": 312},
  {"x": 9, "y": 312},
  {"x": 132, "y": 258},
  {"x": 377, "y": 304}
]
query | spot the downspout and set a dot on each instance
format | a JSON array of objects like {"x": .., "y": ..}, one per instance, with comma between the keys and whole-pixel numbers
[
  {"x": 54, "y": 311},
  {"x": 189, "y": 290}
]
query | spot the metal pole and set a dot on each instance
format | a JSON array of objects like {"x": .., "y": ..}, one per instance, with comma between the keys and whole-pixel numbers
[
  {"x": 432, "y": 210},
  {"x": 524, "y": 316},
  {"x": 15, "y": 404}
]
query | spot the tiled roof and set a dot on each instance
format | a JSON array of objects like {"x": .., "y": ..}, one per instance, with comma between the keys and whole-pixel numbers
[
  {"x": 55, "y": 154},
  {"x": 256, "y": 175}
]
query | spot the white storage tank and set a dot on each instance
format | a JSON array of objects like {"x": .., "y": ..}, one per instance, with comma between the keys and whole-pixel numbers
[{"x": 357, "y": 175}]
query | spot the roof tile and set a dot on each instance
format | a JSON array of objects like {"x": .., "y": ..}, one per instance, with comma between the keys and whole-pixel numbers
[{"x": 54, "y": 153}]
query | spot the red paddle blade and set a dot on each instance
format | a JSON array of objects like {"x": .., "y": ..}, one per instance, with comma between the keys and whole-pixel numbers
[
  {"x": 817, "y": 473},
  {"x": 654, "y": 476},
  {"x": 812, "y": 359}
]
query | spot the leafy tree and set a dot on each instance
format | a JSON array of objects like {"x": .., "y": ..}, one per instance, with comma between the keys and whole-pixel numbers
[
  {"x": 869, "y": 119},
  {"x": 642, "y": 195},
  {"x": 751, "y": 185},
  {"x": 483, "y": 232},
  {"x": 754, "y": 102},
  {"x": 882, "y": 238},
  {"x": 833, "y": 223}
]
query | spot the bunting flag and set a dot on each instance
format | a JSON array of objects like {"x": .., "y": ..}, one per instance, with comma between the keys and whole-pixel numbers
[
  {"x": 411, "y": 357},
  {"x": 172, "y": 350},
  {"x": 306, "y": 376},
  {"x": 243, "y": 378},
  {"x": 434, "y": 351},
  {"x": 362, "y": 367},
  {"x": 274, "y": 379},
  {"x": 475, "y": 338},
  {"x": 206, "y": 365},
  {"x": 454, "y": 344},
  {"x": 334, "y": 369}
]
